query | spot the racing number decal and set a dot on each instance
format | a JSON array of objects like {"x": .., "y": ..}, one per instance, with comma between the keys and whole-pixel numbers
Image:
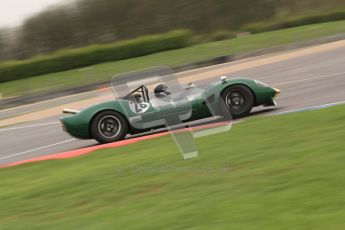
[{"x": 139, "y": 108}]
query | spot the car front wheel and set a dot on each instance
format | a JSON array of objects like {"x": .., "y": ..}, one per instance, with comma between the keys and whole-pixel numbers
[
  {"x": 239, "y": 100},
  {"x": 109, "y": 126}
]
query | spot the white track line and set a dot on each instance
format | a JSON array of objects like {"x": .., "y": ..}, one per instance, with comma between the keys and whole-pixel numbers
[
  {"x": 29, "y": 126},
  {"x": 310, "y": 79},
  {"x": 36, "y": 149},
  {"x": 316, "y": 107},
  {"x": 5, "y": 98}
]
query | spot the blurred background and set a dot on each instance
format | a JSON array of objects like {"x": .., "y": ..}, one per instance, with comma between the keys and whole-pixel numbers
[
  {"x": 72, "y": 24},
  {"x": 38, "y": 40}
]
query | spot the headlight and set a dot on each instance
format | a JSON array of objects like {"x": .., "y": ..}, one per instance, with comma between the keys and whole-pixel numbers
[{"x": 261, "y": 84}]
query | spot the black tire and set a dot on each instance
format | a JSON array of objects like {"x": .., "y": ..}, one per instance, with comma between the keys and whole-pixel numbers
[
  {"x": 109, "y": 126},
  {"x": 239, "y": 100}
]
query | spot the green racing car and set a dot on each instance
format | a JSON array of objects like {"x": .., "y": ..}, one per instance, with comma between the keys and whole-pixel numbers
[{"x": 143, "y": 110}]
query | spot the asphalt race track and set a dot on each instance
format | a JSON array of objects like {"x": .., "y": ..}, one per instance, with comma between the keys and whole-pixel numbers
[{"x": 307, "y": 80}]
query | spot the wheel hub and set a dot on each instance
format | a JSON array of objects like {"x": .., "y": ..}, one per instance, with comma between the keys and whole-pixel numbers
[
  {"x": 235, "y": 100},
  {"x": 109, "y": 126}
]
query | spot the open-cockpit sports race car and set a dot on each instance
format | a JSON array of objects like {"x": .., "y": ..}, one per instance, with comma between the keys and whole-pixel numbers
[{"x": 144, "y": 110}]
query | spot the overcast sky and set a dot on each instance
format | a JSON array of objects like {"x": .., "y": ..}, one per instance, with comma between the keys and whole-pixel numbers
[{"x": 13, "y": 12}]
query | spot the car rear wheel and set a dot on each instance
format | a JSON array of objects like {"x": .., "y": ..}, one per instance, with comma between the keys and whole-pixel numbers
[
  {"x": 109, "y": 126},
  {"x": 239, "y": 100}
]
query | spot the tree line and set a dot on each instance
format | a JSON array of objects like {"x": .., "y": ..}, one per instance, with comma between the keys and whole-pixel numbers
[{"x": 85, "y": 22}]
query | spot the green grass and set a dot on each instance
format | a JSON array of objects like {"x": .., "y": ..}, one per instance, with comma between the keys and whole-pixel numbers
[
  {"x": 284, "y": 172},
  {"x": 105, "y": 71}
]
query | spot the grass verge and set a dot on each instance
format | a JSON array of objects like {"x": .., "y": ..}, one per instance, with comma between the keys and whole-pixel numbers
[
  {"x": 104, "y": 71},
  {"x": 283, "y": 172}
]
